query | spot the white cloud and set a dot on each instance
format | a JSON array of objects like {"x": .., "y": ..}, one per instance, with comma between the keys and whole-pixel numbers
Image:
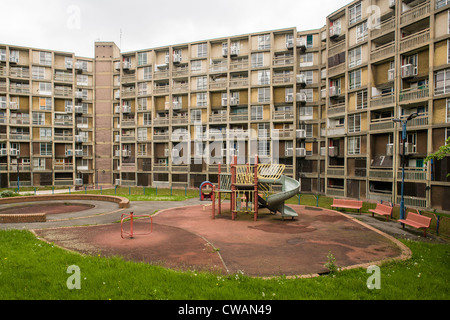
[{"x": 58, "y": 25}]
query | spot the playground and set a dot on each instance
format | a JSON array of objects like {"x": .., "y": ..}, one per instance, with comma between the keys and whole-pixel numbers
[{"x": 241, "y": 224}]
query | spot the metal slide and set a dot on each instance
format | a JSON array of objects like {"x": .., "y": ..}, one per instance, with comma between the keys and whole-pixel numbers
[{"x": 275, "y": 202}]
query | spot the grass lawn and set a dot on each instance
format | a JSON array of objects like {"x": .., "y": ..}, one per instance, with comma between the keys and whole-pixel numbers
[{"x": 31, "y": 269}]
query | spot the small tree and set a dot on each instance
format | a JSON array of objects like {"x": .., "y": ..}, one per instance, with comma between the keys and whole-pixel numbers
[{"x": 441, "y": 153}]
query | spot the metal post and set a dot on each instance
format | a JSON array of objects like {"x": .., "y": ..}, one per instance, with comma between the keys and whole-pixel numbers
[
  {"x": 131, "y": 224},
  {"x": 402, "y": 201}
]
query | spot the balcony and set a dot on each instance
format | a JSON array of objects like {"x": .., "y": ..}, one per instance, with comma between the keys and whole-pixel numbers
[
  {"x": 381, "y": 174},
  {"x": 63, "y": 91},
  {"x": 238, "y": 82},
  {"x": 382, "y": 124},
  {"x": 336, "y": 131},
  {"x": 238, "y": 64},
  {"x": 161, "y": 136},
  {"x": 282, "y": 133},
  {"x": 336, "y": 109},
  {"x": 415, "y": 40},
  {"x": 63, "y": 137},
  {"x": 283, "y": 60},
  {"x": 413, "y": 173},
  {"x": 282, "y": 78},
  {"x": 383, "y": 51},
  {"x": 420, "y": 120},
  {"x": 412, "y": 94},
  {"x": 382, "y": 100},
  {"x": 415, "y": 14},
  {"x": 383, "y": 28}
]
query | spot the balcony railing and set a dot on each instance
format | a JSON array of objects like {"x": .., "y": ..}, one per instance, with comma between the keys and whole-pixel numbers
[
  {"x": 415, "y": 13},
  {"x": 383, "y": 28},
  {"x": 382, "y": 124},
  {"x": 386, "y": 174},
  {"x": 413, "y": 94},
  {"x": 241, "y": 82},
  {"x": 282, "y": 115},
  {"x": 383, "y": 51},
  {"x": 415, "y": 40},
  {"x": 382, "y": 100},
  {"x": 413, "y": 174},
  {"x": 420, "y": 120},
  {"x": 283, "y": 60}
]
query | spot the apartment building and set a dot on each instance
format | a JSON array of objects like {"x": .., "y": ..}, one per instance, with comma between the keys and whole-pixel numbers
[
  {"x": 322, "y": 102},
  {"x": 46, "y": 118}
]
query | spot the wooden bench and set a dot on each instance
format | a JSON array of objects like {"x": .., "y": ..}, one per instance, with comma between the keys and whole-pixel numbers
[
  {"x": 417, "y": 221},
  {"x": 382, "y": 210},
  {"x": 348, "y": 204}
]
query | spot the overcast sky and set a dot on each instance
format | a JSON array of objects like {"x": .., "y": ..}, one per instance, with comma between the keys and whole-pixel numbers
[{"x": 74, "y": 25}]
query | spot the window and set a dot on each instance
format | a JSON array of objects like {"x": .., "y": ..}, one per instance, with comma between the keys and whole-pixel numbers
[
  {"x": 308, "y": 127},
  {"x": 263, "y": 94},
  {"x": 447, "y": 111},
  {"x": 46, "y": 149},
  {"x": 38, "y": 73},
  {"x": 361, "y": 32},
  {"x": 263, "y": 77},
  {"x": 2, "y": 54},
  {"x": 361, "y": 99},
  {"x": 142, "y": 58},
  {"x": 289, "y": 40},
  {"x": 202, "y": 99},
  {"x": 147, "y": 73},
  {"x": 3, "y": 102},
  {"x": 201, "y": 83},
  {"x": 309, "y": 41},
  {"x": 263, "y": 130},
  {"x": 354, "y": 57},
  {"x": 257, "y": 60},
  {"x": 411, "y": 60},
  {"x": 441, "y": 3},
  {"x": 39, "y": 163},
  {"x": 45, "y": 104},
  {"x": 355, "y": 13},
  {"x": 45, "y": 88},
  {"x": 38, "y": 118},
  {"x": 442, "y": 82},
  {"x": 448, "y": 51},
  {"x": 308, "y": 76},
  {"x": 354, "y": 79},
  {"x": 309, "y": 94},
  {"x": 306, "y": 112},
  {"x": 142, "y": 134},
  {"x": 196, "y": 66},
  {"x": 45, "y": 58},
  {"x": 264, "y": 42},
  {"x": 354, "y": 145},
  {"x": 354, "y": 123},
  {"x": 202, "y": 50},
  {"x": 45, "y": 133},
  {"x": 306, "y": 59},
  {"x": 263, "y": 148},
  {"x": 142, "y": 88},
  {"x": 147, "y": 118},
  {"x": 82, "y": 80},
  {"x": 257, "y": 113},
  {"x": 196, "y": 116}
]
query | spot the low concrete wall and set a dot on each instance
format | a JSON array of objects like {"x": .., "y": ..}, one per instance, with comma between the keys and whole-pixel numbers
[
  {"x": 122, "y": 202},
  {"x": 22, "y": 218}
]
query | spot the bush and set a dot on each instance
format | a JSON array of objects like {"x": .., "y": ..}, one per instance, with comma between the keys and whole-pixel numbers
[{"x": 7, "y": 193}]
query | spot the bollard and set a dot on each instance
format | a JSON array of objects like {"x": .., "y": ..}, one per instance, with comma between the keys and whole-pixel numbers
[
  {"x": 299, "y": 198},
  {"x": 144, "y": 191},
  {"x": 317, "y": 201},
  {"x": 115, "y": 190},
  {"x": 53, "y": 190},
  {"x": 35, "y": 191},
  {"x": 170, "y": 190},
  {"x": 185, "y": 191},
  {"x": 85, "y": 190},
  {"x": 129, "y": 190},
  {"x": 101, "y": 190},
  {"x": 69, "y": 190},
  {"x": 156, "y": 190}
]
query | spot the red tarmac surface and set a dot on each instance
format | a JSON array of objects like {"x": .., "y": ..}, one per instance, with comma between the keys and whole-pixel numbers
[{"x": 188, "y": 238}]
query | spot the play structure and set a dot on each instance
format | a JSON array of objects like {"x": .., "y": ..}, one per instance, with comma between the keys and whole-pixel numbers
[
  {"x": 250, "y": 187},
  {"x": 206, "y": 191},
  {"x": 131, "y": 234}
]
